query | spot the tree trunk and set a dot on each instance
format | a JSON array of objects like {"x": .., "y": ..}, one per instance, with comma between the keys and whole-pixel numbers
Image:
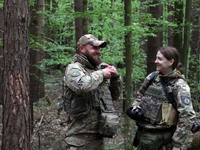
[
  {"x": 170, "y": 19},
  {"x": 186, "y": 42},
  {"x": 178, "y": 30},
  {"x": 128, "y": 135},
  {"x": 145, "y": 45},
  {"x": 159, "y": 38},
  {"x": 78, "y": 21},
  {"x": 36, "y": 53},
  {"x": 85, "y": 19},
  {"x": 193, "y": 73},
  {"x": 34, "y": 59},
  {"x": 153, "y": 42},
  {"x": 16, "y": 131},
  {"x": 91, "y": 9},
  {"x": 41, "y": 52},
  {"x": 1, "y": 52}
]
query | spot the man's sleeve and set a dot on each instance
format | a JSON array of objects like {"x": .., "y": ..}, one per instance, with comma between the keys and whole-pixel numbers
[
  {"x": 80, "y": 81},
  {"x": 116, "y": 85}
]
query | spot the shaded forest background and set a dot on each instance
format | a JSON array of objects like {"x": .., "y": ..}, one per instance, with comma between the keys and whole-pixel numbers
[{"x": 42, "y": 34}]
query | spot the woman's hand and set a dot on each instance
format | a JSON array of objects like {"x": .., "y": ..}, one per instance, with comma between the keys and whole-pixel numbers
[{"x": 134, "y": 108}]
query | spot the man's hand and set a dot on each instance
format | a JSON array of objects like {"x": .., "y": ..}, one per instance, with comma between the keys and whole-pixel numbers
[{"x": 110, "y": 71}]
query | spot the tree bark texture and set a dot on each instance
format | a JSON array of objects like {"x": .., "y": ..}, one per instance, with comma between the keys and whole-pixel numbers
[
  {"x": 36, "y": 23},
  {"x": 186, "y": 42},
  {"x": 128, "y": 135},
  {"x": 153, "y": 42},
  {"x": 36, "y": 53},
  {"x": 35, "y": 58},
  {"x": 1, "y": 53},
  {"x": 78, "y": 21},
  {"x": 85, "y": 19},
  {"x": 40, "y": 25},
  {"x": 145, "y": 45},
  {"x": 178, "y": 30},
  {"x": 16, "y": 132},
  {"x": 170, "y": 29}
]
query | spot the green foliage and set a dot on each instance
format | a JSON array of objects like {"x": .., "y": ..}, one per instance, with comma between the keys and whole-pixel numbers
[
  {"x": 193, "y": 81},
  {"x": 1, "y": 41},
  {"x": 31, "y": 2},
  {"x": 106, "y": 21},
  {"x": 194, "y": 144},
  {"x": 1, "y": 4}
]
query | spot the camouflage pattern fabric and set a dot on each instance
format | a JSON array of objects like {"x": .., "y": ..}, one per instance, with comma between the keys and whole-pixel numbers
[
  {"x": 154, "y": 139},
  {"x": 182, "y": 97},
  {"x": 108, "y": 124},
  {"x": 83, "y": 79},
  {"x": 151, "y": 109},
  {"x": 85, "y": 142}
]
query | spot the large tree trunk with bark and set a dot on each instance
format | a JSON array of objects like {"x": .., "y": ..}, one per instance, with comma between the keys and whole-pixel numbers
[
  {"x": 16, "y": 130},
  {"x": 128, "y": 135}
]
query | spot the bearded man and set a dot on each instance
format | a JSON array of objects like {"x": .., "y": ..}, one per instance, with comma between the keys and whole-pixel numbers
[{"x": 90, "y": 88}]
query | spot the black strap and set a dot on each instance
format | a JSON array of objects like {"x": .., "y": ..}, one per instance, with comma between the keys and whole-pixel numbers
[
  {"x": 153, "y": 74},
  {"x": 167, "y": 94}
]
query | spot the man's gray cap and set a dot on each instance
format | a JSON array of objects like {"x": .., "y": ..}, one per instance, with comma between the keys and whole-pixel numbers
[{"x": 92, "y": 40}]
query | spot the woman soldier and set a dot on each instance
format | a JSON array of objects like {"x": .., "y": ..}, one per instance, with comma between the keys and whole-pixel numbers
[{"x": 163, "y": 109}]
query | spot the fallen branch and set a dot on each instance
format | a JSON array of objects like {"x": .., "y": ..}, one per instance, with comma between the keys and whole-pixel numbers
[{"x": 40, "y": 120}]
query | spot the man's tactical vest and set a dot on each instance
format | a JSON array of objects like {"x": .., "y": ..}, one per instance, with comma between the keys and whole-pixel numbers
[{"x": 78, "y": 106}]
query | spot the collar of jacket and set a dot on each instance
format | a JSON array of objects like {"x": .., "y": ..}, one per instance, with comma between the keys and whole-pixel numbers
[
  {"x": 83, "y": 60},
  {"x": 175, "y": 74}
]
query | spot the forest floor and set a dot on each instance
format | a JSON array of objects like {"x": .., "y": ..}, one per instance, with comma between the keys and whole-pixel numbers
[{"x": 50, "y": 128}]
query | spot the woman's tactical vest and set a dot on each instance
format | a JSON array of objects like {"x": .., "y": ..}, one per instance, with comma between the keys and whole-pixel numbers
[{"x": 156, "y": 107}]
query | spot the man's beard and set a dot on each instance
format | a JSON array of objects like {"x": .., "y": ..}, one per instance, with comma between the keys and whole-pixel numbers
[{"x": 92, "y": 61}]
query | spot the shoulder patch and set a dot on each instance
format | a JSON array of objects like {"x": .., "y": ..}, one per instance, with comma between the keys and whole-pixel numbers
[
  {"x": 186, "y": 99},
  {"x": 76, "y": 74}
]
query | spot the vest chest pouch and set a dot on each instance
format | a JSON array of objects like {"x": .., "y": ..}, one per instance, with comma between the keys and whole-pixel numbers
[
  {"x": 156, "y": 108},
  {"x": 108, "y": 121},
  {"x": 108, "y": 124},
  {"x": 169, "y": 114},
  {"x": 151, "y": 109}
]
